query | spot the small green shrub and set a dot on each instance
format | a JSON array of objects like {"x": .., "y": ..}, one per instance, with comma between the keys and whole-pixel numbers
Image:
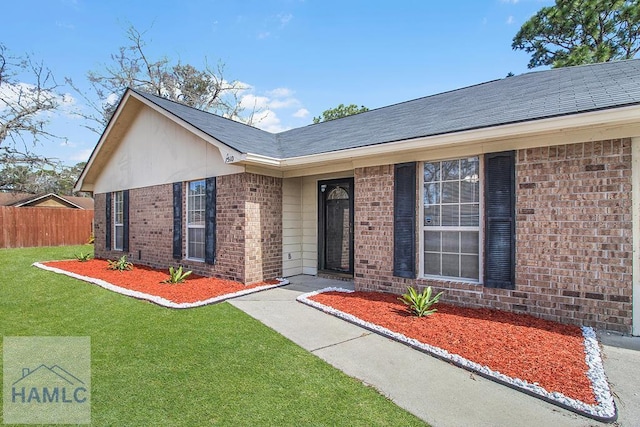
[
  {"x": 82, "y": 257},
  {"x": 176, "y": 275},
  {"x": 120, "y": 264},
  {"x": 420, "y": 304}
]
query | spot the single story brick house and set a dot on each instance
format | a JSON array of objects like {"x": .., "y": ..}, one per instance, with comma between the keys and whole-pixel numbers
[{"x": 520, "y": 194}]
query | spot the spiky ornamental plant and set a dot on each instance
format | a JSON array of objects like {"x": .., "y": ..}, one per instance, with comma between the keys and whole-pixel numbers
[{"x": 420, "y": 304}]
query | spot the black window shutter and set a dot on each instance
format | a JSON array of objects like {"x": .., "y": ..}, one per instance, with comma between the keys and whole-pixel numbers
[
  {"x": 404, "y": 220},
  {"x": 210, "y": 221},
  {"x": 107, "y": 212},
  {"x": 177, "y": 220},
  {"x": 499, "y": 238},
  {"x": 125, "y": 221}
]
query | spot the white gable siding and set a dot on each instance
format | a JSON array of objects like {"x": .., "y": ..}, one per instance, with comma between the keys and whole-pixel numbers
[
  {"x": 310, "y": 225},
  {"x": 291, "y": 227},
  {"x": 157, "y": 151}
]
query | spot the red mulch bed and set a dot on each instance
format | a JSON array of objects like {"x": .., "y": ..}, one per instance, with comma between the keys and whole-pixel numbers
[
  {"x": 147, "y": 280},
  {"x": 517, "y": 345}
]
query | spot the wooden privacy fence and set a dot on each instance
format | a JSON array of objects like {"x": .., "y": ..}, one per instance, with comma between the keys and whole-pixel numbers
[{"x": 28, "y": 227}]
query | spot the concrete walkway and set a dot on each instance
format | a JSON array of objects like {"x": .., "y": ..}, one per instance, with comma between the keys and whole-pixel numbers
[{"x": 435, "y": 391}]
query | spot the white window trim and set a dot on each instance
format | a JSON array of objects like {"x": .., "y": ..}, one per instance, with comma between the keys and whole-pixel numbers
[
  {"x": 117, "y": 224},
  {"x": 192, "y": 226},
  {"x": 481, "y": 231}
]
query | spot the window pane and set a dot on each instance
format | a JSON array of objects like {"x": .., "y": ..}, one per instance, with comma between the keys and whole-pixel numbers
[
  {"x": 432, "y": 263},
  {"x": 432, "y": 194},
  {"x": 450, "y": 170},
  {"x": 450, "y": 215},
  {"x": 469, "y": 169},
  {"x": 470, "y": 268},
  {"x": 469, "y": 192},
  {"x": 451, "y": 192},
  {"x": 196, "y": 187},
  {"x": 432, "y": 241},
  {"x": 431, "y": 172},
  {"x": 469, "y": 215},
  {"x": 119, "y": 237},
  {"x": 469, "y": 242},
  {"x": 196, "y": 243},
  {"x": 432, "y": 215},
  {"x": 451, "y": 265},
  {"x": 451, "y": 241}
]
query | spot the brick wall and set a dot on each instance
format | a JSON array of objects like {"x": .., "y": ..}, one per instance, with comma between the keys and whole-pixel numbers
[
  {"x": 263, "y": 229},
  {"x": 573, "y": 233},
  {"x": 373, "y": 224},
  {"x": 248, "y": 246}
]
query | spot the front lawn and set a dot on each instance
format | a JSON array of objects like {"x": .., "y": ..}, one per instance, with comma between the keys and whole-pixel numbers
[{"x": 157, "y": 366}]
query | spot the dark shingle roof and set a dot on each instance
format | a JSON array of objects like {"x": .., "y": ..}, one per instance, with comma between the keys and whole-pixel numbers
[{"x": 527, "y": 97}]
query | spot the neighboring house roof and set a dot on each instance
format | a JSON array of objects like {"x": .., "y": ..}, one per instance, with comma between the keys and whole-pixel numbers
[
  {"x": 527, "y": 97},
  {"x": 26, "y": 199}
]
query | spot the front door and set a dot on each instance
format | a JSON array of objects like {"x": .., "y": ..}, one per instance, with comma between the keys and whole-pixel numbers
[{"x": 335, "y": 225}]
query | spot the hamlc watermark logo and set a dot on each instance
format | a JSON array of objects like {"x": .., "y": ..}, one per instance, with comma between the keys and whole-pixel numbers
[{"x": 47, "y": 380}]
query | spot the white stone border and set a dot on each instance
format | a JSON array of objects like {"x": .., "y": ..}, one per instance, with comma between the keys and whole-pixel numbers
[
  {"x": 604, "y": 410},
  {"x": 156, "y": 299}
]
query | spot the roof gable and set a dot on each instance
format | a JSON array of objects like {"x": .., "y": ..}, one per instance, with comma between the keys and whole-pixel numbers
[
  {"x": 525, "y": 99},
  {"x": 238, "y": 136}
]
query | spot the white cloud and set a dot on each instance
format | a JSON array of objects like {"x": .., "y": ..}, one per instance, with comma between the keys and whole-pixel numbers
[
  {"x": 267, "y": 105},
  {"x": 26, "y": 94},
  {"x": 264, "y": 35},
  {"x": 284, "y": 103},
  {"x": 301, "y": 113},
  {"x": 510, "y": 1},
  {"x": 65, "y": 25},
  {"x": 68, "y": 144},
  {"x": 510, "y": 20},
  {"x": 281, "y": 92},
  {"x": 269, "y": 121},
  {"x": 251, "y": 101},
  {"x": 112, "y": 98},
  {"x": 284, "y": 19},
  {"x": 82, "y": 155}
]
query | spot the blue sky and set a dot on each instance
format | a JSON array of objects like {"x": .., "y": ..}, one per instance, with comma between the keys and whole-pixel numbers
[{"x": 300, "y": 57}]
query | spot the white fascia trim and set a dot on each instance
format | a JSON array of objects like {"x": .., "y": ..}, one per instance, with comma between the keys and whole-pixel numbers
[
  {"x": 602, "y": 118},
  {"x": 258, "y": 159}
]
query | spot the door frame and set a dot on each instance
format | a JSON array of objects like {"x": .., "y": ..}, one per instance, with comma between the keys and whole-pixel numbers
[{"x": 322, "y": 224}]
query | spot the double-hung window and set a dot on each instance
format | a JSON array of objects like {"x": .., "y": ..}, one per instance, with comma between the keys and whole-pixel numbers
[
  {"x": 196, "y": 206},
  {"x": 451, "y": 220},
  {"x": 118, "y": 220}
]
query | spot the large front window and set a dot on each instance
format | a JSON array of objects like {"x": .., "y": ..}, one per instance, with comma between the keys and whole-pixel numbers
[
  {"x": 196, "y": 220},
  {"x": 451, "y": 223},
  {"x": 118, "y": 220}
]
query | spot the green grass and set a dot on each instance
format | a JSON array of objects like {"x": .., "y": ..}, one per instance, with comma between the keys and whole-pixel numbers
[{"x": 157, "y": 366}]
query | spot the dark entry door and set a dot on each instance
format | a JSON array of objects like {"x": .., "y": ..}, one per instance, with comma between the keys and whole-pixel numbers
[{"x": 336, "y": 225}]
